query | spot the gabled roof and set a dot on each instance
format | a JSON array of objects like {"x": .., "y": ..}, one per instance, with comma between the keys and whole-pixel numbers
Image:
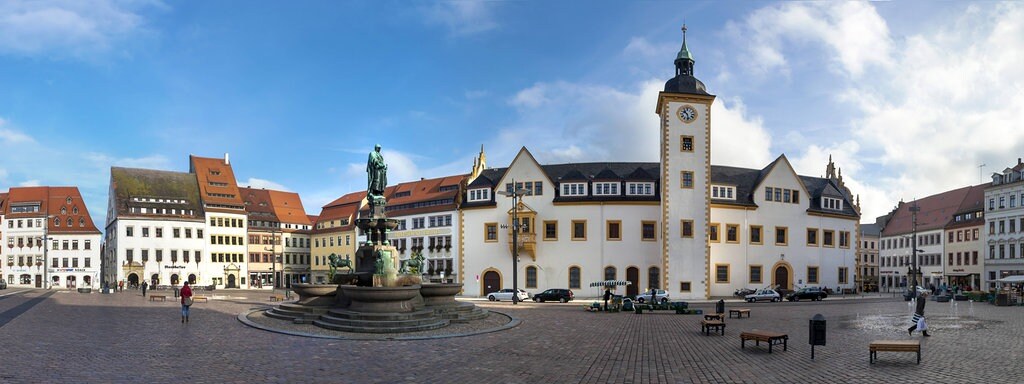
[
  {"x": 402, "y": 198},
  {"x": 288, "y": 207},
  {"x": 343, "y": 208},
  {"x": 935, "y": 212},
  {"x": 974, "y": 202},
  {"x": 129, "y": 183},
  {"x": 870, "y": 229},
  {"x": 3, "y": 203},
  {"x": 258, "y": 204},
  {"x": 68, "y": 211},
  {"x": 217, "y": 186}
]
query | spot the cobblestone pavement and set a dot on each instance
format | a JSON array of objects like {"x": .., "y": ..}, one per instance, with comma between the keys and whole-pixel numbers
[{"x": 62, "y": 336}]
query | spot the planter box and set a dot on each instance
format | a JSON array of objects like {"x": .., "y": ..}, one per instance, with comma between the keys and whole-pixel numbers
[{"x": 84, "y": 290}]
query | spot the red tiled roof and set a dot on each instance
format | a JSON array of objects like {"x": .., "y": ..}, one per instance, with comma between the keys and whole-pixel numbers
[
  {"x": 935, "y": 213},
  {"x": 312, "y": 218},
  {"x": 347, "y": 199},
  {"x": 62, "y": 203},
  {"x": 288, "y": 207},
  {"x": 424, "y": 190},
  {"x": 974, "y": 201},
  {"x": 217, "y": 183},
  {"x": 345, "y": 207},
  {"x": 258, "y": 203}
]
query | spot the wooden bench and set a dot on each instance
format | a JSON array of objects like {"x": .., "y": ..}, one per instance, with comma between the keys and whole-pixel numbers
[
  {"x": 155, "y": 297},
  {"x": 707, "y": 325},
  {"x": 739, "y": 312},
  {"x": 772, "y": 338},
  {"x": 893, "y": 346},
  {"x": 203, "y": 298},
  {"x": 714, "y": 316},
  {"x": 276, "y": 297}
]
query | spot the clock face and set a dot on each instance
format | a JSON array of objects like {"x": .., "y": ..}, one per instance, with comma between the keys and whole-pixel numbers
[{"x": 687, "y": 114}]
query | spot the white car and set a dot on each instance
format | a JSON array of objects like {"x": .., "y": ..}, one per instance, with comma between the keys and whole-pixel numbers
[
  {"x": 506, "y": 294},
  {"x": 764, "y": 294},
  {"x": 660, "y": 296}
]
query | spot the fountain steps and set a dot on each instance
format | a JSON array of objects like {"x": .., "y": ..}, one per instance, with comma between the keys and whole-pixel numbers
[
  {"x": 459, "y": 313},
  {"x": 348, "y": 321},
  {"x": 295, "y": 312}
]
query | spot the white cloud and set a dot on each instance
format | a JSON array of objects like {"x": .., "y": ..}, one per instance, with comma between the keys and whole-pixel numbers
[
  {"x": 76, "y": 28},
  {"x": 29, "y": 183},
  {"x": 104, "y": 161},
  {"x": 642, "y": 48},
  {"x": 854, "y": 33},
  {"x": 927, "y": 108},
  {"x": 462, "y": 18},
  {"x": 263, "y": 183},
  {"x": 737, "y": 139},
  {"x": 10, "y": 136}
]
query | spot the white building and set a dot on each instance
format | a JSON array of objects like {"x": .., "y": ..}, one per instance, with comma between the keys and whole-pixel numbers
[
  {"x": 226, "y": 221},
  {"x": 680, "y": 224},
  {"x": 1004, "y": 214},
  {"x": 156, "y": 229},
  {"x": 964, "y": 242},
  {"x": 49, "y": 228},
  {"x": 867, "y": 258}
]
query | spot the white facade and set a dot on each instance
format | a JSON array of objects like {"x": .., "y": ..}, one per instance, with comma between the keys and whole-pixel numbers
[
  {"x": 227, "y": 249},
  {"x": 1004, "y": 229},
  {"x": 72, "y": 260},
  {"x": 158, "y": 251},
  {"x": 896, "y": 259}
]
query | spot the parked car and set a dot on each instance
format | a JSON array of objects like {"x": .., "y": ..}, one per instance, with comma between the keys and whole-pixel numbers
[
  {"x": 562, "y": 295},
  {"x": 3, "y": 284},
  {"x": 660, "y": 296},
  {"x": 763, "y": 294},
  {"x": 506, "y": 294},
  {"x": 807, "y": 293}
]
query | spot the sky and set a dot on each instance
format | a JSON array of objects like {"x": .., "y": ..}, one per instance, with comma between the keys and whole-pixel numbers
[{"x": 909, "y": 98}]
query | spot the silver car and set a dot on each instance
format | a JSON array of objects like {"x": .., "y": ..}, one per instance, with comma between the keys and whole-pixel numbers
[
  {"x": 766, "y": 294},
  {"x": 660, "y": 296},
  {"x": 506, "y": 294}
]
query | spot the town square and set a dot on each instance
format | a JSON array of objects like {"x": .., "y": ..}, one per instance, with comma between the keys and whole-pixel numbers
[{"x": 462, "y": 191}]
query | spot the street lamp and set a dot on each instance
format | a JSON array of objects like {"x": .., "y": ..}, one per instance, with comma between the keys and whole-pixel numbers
[
  {"x": 914, "y": 209},
  {"x": 517, "y": 196}
]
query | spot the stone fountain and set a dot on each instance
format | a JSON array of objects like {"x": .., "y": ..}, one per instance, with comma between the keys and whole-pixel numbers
[{"x": 384, "y": 298}]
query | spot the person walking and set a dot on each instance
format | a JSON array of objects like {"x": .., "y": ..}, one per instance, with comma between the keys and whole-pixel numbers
[
  {"x": 607, "y": 296},
  {"x": 144, "y": 285},
  {"x": 918, "y": 319},
  {"x": 186, "y": 301}
]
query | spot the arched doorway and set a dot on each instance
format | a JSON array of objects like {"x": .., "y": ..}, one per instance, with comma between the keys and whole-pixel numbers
[
  {"x": 87, "y": 280},
  {"x": 192, "y": 279},
  {"x": 231, "y": 281},
  {"x": 72, "y": 282},
  {"x": 174, "y": 279},
  {"x": 133, "y": 280},
  {"x": 492, "y": 282},
  {"x": 154, "y": 280},
  {"x": 633, "y": 275},
  {"x": 781, "y": 277}
]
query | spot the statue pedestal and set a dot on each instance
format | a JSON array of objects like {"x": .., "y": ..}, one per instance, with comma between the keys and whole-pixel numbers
[{"x": 366, "y": 265}]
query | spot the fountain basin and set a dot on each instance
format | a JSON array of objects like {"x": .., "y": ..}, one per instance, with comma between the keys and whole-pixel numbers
[
  {"x": 315, "y": 294},
  {"x": 381, "y": 299},
  {"x": 440, "y": 294}
]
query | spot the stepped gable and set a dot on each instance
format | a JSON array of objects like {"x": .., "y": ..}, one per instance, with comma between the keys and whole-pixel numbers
[
  {"x": 936, "y": 211},
  {"x": 71, "y": 215},
  {"x": 217, "y": 186},
  {"x": 974, "y": 201}
]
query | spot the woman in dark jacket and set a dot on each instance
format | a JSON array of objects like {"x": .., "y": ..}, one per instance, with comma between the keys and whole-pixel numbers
[{"x": 922, "y": 299}]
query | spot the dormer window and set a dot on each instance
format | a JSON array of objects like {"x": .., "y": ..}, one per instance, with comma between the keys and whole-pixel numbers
[
  {"x": 574, "y": 189},
  {"x": 480, "y": 194},
  {"x": 69, "y": 200},
  {"x": 606, "y": 189},
  {"x": 74, "y": 210},
  {"x": 63, "y": 210},
  {"x": 832, "y": 203},
  {"x": 723, "y": 192},
  {"x": 640, "y": 189}
]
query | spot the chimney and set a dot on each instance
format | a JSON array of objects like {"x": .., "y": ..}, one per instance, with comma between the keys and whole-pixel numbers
[
  {"x": 227, "y": 160},
  {"x": 1018, "y": 161}
]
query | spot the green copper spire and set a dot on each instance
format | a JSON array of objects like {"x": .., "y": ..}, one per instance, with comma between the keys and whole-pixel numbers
[{"x": 683, "y": 52}]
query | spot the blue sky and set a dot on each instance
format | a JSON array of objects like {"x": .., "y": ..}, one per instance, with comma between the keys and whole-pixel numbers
[{"x": 909, "y": 98}]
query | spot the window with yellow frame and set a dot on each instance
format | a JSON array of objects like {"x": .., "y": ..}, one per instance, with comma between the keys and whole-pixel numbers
[
  {"x": 613, "y": 230},
  {"x": 713, "y": 235}
]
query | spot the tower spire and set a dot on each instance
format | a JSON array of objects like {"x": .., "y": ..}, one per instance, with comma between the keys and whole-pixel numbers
[{"x": 684, "y": 60}]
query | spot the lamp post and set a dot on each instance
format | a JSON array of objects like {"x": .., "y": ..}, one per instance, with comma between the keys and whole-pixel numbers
[
  {"x": 517, "y": 195},
  {"x": 914, "y": 209}
]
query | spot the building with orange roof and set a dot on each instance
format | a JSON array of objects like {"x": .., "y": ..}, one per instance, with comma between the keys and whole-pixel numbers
[
  {"x": 428, "y": 218},
  {"x": 335, "y": 232},
  {"x": 50, "y": 237},
  {"x": 226, "y": 219},
  {"x": 279, "y": 238}
]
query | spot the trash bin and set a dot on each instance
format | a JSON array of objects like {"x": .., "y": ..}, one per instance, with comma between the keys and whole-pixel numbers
[
  {"x": 817, "y": 332},
  {"x": 720, "y": 306}
]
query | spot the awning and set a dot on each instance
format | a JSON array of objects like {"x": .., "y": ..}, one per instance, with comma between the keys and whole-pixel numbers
[
  {"x": 608, "y": 283},
  {"x": 960, "y": 274},
  {"x": 1012, "y": 279}
]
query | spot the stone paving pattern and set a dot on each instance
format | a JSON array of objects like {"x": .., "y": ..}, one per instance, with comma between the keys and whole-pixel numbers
[{"x": 62, "y": 336}]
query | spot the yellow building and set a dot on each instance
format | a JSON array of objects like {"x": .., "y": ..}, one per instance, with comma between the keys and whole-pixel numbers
[{"x": 335, "y": 232}]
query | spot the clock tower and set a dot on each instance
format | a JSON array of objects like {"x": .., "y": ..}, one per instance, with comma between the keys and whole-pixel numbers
[{"x": 684, "y": 110}]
